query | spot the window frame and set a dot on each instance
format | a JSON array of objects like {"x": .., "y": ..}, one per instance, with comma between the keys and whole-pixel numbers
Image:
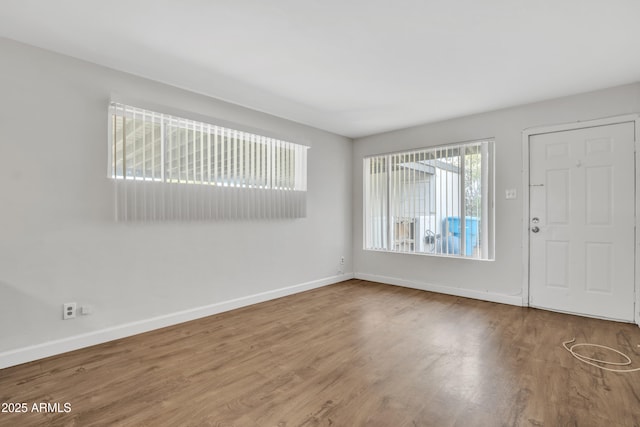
[
  {"x": 388, "y": 221},
  {"x": 233, "y": 144},
  {"x": 261, "y": 177}
]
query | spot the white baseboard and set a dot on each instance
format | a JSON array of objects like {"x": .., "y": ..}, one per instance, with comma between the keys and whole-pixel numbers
[
  {"x": 460, "y": 292},
  {"x": 51, "y": 348}
]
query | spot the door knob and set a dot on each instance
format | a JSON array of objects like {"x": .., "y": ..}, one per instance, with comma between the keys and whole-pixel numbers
[{"x": 535, "y": 229}]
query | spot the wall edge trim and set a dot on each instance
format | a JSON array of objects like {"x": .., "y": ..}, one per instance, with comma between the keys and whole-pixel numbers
[
  {"x": 55, "y": 347},
  {"x": 460, "y": 292}
]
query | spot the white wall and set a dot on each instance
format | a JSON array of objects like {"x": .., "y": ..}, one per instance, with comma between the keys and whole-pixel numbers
[
  {"x": 58, "y": 239},
  {"x": 499, "y": 280}
]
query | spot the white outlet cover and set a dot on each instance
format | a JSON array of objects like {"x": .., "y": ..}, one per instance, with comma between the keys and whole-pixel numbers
[
  {"x": 511, "y": 193},
  {"x": 69, "y": 310}
]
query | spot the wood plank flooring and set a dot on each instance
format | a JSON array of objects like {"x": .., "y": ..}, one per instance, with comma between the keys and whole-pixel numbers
[{"x": 351, "y": 354}]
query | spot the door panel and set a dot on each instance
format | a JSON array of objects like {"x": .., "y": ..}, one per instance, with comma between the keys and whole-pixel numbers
[
  {"x": 557, "y": 264},
  {"x": 582, "y": 209}
]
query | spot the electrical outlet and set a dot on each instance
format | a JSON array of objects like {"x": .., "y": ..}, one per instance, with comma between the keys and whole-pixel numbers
[
  {"x": 69, "y": 310},
  {"x": 341, "y": 260}
]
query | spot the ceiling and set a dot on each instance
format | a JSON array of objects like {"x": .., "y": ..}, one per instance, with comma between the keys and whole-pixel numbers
[{"x": 352, "y": 67}]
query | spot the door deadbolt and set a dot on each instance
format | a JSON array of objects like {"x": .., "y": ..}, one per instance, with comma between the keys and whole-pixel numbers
[{"x": 535, "y": 220}]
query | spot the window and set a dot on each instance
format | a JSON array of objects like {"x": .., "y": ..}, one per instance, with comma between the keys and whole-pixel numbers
[
  {"x": 414, "y": 201},
  {"x": 167, "y": 167}
]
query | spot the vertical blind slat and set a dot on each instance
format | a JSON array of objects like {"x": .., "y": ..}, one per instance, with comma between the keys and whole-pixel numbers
[
  {"x": 437, "y": 201},
  {"x": 156, "y": 159}
]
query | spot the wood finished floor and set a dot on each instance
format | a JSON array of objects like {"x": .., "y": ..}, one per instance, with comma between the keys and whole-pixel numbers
[{"x": 350, "y": 354}]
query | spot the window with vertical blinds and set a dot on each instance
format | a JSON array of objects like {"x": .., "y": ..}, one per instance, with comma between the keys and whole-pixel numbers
[
  {"x": 436, "y": 201},
  {"x": 171, "y": 168}
]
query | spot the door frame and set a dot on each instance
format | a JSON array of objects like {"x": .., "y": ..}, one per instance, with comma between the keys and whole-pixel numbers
[{"x": 538, "y": 130}]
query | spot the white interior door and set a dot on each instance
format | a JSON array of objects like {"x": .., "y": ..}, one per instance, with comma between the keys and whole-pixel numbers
[{"x": 581, "y": 221}]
